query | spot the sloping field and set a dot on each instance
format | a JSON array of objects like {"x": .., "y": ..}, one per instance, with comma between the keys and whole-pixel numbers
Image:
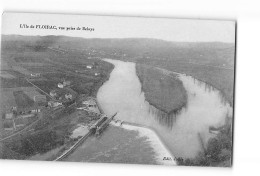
[
  {"x": 7, "y": 75},
  {"x": 22, "y": 100},
  {"x": 21, "y": 70},
  {"x": 7, "y": 100}
]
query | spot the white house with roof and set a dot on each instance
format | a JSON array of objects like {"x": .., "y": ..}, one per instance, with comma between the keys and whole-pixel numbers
[
  {"x": 89, "y": 66},
  {"x": 97, "y": 74},
  {"x": 60, "y": 85}
]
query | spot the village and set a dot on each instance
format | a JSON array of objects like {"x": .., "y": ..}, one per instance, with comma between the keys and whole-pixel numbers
[
  {"x": 62, "y": 96},
  {"x": 44, "y": 99}
]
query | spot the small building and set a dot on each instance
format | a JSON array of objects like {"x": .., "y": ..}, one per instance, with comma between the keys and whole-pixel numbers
[
  {"x": 60, "y": 85},
  {"x": 14, "y": 109},
  {"x": 35, "y": 75},
  {"x": 66, "y": 83},
  {"x": 54, "y": 104},
  {"x": 89, "y": 66},
  {"x": 68, "y": 96},
  {"x": 92, "y": 65},
  {"x": 35, "y": 111},
  {"x": 53, "y": 93},
  {"x": 97, "y": 74},
  {"x": 9, "y": 115}
]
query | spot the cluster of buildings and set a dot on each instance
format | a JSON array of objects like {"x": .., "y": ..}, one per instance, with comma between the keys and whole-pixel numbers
[
  {"x": 61, "y": 95},
  {"x": 35, "y": 75},
  {"x": 64, "y": 84}
]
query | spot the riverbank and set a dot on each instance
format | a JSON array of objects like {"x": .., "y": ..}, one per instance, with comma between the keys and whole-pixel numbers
[{"x": 162, "y": 91}]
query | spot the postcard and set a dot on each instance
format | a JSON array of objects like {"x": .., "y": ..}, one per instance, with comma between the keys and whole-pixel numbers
[{"x": 116, "y": 89}]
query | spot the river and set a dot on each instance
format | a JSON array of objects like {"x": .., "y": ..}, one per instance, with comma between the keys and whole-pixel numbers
[
  {"x": 157, "y": 144},
  {"x": 206, "y": 107}
]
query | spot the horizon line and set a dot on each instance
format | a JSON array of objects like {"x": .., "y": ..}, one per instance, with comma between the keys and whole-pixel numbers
[{"x": 107, "y": 38}]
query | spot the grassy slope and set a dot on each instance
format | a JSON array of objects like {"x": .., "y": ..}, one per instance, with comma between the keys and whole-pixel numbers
[
  {"x": 164, "y": 92},
  {"x": 22, "y": 100}
]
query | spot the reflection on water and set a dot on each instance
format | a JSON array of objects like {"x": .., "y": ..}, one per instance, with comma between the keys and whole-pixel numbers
[{"x": 122, "y": 93}]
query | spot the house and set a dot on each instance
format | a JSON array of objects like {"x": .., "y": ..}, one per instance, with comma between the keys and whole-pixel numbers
[
  {"x": 35, "y": 111},
  {"x": 35, "y": 74},
  {"x": 68, "y": 96},
  {"x": 97, "y": 74},
  {"x": 53, "y": 93},
  {"x": 60, "y": 85},
  {"x": 14, "y": 109},
  {"x": 54, "y": 104},
  {"x": 66, "y": 83},
  {"x": 9, "y": 115},
  {"x": 89, "y": 66}
]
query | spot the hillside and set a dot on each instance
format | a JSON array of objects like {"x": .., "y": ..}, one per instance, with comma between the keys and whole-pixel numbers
[
  {"x": 214, "y": 53},
  {"x": 211, "y": 62}
]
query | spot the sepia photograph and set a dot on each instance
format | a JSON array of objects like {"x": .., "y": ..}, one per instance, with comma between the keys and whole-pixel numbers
[{"x": 117, "y": 89}]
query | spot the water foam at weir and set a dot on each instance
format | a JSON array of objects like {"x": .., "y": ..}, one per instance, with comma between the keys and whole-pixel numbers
[{"x": 122, "y": 94}]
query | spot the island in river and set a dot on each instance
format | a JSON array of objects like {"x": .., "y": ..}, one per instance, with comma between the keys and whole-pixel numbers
[{"x": 163, "y": 91}]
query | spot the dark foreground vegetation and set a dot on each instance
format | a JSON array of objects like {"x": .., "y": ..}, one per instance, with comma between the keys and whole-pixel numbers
[{"x": 218, "y": 152}]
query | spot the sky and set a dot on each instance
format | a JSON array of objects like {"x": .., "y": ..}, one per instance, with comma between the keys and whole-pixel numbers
[{"x": 169, "y": 29}]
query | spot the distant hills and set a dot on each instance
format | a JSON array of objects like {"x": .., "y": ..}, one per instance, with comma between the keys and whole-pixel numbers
[
  {"x": 116, "y": 42},
  {"x": 200, "y": 52}
]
